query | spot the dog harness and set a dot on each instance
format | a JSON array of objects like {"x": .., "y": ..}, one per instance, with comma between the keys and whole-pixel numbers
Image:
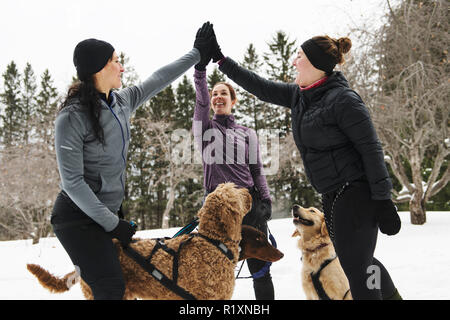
[
  {"x": 172, "y": 284},
  {"x": 318, "y": 285},
  {"x": 261, "y": 273}
]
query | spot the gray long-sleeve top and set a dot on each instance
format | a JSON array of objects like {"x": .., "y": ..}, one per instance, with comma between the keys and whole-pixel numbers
[{"x": 92, "y": 174}]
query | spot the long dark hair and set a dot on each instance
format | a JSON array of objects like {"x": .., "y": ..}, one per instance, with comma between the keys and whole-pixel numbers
[{"x": 87, "y": 94}]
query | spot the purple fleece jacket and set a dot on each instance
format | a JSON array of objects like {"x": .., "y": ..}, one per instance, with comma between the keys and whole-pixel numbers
[{"x": 230, "y": 152}]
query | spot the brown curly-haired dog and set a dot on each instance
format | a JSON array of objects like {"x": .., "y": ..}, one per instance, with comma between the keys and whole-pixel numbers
[{"x": 203, "y": 270}]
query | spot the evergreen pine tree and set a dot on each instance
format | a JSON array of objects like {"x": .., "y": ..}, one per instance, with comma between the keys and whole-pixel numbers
[
  {"x": 214, "y": 77},
  {"x": 129, "y": 76},
  {"x": 185, "y": 104},
  {"x": 12, "y": 118},
  {"x": 137, "y": 199},
  {"x": 47, "y": 106},
  {"x": 28, "y": 98},
  {"x": 252, "y": 111},
  {"x": 190, "y": 190},
  {"x": 136, "y": 205},
  {"x": 279, "y": 68},
  {"x": 163, "y": 105},
  {"x": 148, "y": 204}
]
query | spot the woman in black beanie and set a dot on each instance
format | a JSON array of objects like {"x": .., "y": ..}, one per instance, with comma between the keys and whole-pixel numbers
[
  {"x": 341, "y": 153},
  {"x": 92, "y": 136}
]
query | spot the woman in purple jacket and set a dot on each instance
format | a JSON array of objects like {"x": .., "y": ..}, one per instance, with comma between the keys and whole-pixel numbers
[{"x": 230, "y": 153}]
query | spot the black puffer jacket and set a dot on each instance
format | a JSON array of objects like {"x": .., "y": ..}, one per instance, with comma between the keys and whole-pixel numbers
[{"x": 331, "y": 127}]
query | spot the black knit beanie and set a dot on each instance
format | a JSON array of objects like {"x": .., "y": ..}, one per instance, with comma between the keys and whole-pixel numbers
[
  {"x": 90, "y": 56},
  {"x": 318, "y": 58}
]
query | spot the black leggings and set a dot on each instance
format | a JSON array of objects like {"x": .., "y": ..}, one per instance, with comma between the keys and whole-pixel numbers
[
  {"x": 91, "y": 249},
  {"x": 351, "y": 223},
  {"x": 263, "y": 286}
]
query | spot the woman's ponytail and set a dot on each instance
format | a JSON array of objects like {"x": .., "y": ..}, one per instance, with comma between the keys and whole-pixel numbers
[
  {"x": 335, "y": 48},
  {"x": 344, "y": 45}
]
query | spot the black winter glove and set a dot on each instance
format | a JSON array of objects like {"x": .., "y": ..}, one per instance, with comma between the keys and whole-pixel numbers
[
  {"x": 387, "y": 217},
  {"x": 123, "y": 232},
  {"x": 266, "y": 209},
  {"x": 217, "y": 54},
  {"x": 203, "y": 42}
]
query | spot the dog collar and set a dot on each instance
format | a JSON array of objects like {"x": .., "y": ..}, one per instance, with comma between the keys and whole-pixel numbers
[
  {"x": 322, "y": 245},
  {"x": 219, "y": 245}
]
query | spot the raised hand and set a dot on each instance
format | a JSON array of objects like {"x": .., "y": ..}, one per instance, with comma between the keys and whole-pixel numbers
[
  {"x": 203, "y": 42},
  {"x": 217, "y": 54}
]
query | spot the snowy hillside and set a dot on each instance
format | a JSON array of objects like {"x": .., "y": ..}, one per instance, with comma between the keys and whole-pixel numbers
[{"x": 417, "y": 258}]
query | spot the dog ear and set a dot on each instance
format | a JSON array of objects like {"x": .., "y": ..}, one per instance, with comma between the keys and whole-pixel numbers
[
  {"x": 248, "y": 202},
  {"x": 323, "y": 229},
  {"x": 202, "y": 211},
  {"x": 296, "y": 234}
]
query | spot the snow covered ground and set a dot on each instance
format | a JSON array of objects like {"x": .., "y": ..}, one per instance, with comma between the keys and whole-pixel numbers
[{"x": 418, "y": 259}]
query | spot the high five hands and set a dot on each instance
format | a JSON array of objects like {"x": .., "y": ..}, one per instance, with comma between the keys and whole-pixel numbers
[{"x": 206, "y": 43}]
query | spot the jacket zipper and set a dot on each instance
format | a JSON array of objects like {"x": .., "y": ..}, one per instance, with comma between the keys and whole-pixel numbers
[{"x": 123, "y": 144}]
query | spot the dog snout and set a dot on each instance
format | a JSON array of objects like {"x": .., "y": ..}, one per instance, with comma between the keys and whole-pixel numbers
[
  {"x": 278, "y": 255},
  {"x": 281, "y": 254},
  {"x": 295, "y": 210}
]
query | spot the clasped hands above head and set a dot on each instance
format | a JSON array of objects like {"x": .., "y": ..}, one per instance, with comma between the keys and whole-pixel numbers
[{"x": 206, "y": 43}]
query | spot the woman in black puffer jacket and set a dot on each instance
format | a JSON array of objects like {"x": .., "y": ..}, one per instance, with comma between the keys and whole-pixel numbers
[{"x": 341, "y": 153}]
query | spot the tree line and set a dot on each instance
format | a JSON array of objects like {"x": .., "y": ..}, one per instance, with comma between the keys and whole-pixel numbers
[{"x": 400, "y": 73}]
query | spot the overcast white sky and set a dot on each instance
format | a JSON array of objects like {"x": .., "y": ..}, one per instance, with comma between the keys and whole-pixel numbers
[{"x": 153, "y": 33}]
